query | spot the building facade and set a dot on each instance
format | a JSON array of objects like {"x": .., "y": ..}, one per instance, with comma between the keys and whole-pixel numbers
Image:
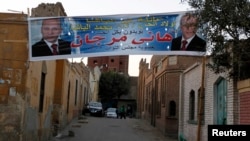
[
  {"x": 36, "y": 95},
  {"x": 218, "y": 105},
  {"x": 110, "y": 63},
  {"x": 170, "y": 97},
  {"x": 13, "y": 73},
  {"x": 158, "y": 100}
]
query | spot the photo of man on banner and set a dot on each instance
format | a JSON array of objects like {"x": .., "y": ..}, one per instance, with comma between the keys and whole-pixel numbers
[
  {"x": 189, "y": 40},
  {"x": 51, "y": 44},
  {"x": 82, "y": 36}
]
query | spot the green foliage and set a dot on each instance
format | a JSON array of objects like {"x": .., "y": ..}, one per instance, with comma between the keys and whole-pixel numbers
[
  {"x": 227, "y": 31},
  {"x": 113, "y": 85}
]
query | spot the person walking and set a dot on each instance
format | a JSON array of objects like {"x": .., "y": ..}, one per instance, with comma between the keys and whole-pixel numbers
[
  {"x": 117, "y": 112},
  {"x": 122, "y": 112}
]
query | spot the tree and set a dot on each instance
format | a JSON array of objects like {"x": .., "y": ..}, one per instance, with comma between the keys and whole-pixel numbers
[
  {"x": 113, "y": 85},
  {"x": 227, "y": 30}
]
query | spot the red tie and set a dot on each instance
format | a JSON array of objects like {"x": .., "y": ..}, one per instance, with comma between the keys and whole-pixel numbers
[
  {"x": 184, "y": 43},
  {"x": 54, "y": 47}
]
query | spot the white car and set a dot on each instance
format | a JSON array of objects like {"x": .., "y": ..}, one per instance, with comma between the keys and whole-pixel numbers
[{"x": 111, "y": 113}]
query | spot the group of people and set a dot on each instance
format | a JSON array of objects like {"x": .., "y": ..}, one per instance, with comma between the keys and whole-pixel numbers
[
  {"x": 123, "y": 112},
  {"x": 50, "y": 44}
]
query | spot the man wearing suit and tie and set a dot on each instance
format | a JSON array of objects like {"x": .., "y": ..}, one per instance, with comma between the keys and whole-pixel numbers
[
  {"x": 189, "y": 41},
  {"x": 50, "y": 44}
]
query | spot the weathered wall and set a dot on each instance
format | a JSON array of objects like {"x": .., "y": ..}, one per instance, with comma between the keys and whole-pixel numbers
[
  {"x": 13, "y": 66},
  {"x": 43, "y": 119},
  {"x": 40, "y": 119},
  {"x": 20, "y": 81}
]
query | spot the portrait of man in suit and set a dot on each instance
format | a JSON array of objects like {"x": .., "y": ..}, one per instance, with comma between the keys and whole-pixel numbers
[
  {"x": 189, "y": 40},
  {"x": 50, "y": 44}
]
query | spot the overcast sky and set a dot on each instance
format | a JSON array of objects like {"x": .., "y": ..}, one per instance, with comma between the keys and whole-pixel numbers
[{"x": 104, "y": 7}]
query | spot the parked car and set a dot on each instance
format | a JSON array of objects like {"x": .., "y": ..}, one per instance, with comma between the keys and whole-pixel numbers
[
  {"x": 111, "y": 113},
  {"x": 94, "y": 109}
]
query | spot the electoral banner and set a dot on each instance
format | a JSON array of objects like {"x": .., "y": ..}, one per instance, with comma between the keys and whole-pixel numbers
[{"x": 89, "y": 36}]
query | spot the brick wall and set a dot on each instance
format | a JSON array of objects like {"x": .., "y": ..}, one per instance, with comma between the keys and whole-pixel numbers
[
  {"x": 192, "y": 80},
  {"x": 244, "y": 108},
  {"x": 244, "y": 98}
]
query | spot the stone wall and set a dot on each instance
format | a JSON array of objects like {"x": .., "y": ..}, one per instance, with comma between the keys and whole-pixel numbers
[
  {"x": 13, "y": 66},
  {"x": 48, "y": 10}
]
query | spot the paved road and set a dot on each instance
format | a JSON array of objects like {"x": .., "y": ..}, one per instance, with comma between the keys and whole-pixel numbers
[{"x": 108, "y": 129}]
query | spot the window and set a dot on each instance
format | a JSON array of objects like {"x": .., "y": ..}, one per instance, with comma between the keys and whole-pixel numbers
[
  {"x": 42, "y": 91},
  {"x": 172, "y": 108},
  {"x": 76, "y": 89},
  {"x": 68, "y": 97},
  {"x": 191, "y": 104}
]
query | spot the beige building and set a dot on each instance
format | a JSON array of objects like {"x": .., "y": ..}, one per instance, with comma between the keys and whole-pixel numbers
[
  {"x": 13, "y": 74},
  {"x": 36, "y": 95}
]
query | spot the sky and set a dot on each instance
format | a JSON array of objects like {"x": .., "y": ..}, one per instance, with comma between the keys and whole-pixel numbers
[{"x": 103, "y": 7}]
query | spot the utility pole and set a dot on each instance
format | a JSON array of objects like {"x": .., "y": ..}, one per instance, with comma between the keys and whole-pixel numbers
[{"x": 201, "y": 101}]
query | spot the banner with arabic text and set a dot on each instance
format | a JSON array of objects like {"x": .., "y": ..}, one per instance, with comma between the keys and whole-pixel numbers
[{"x": 91, "y": 36}]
